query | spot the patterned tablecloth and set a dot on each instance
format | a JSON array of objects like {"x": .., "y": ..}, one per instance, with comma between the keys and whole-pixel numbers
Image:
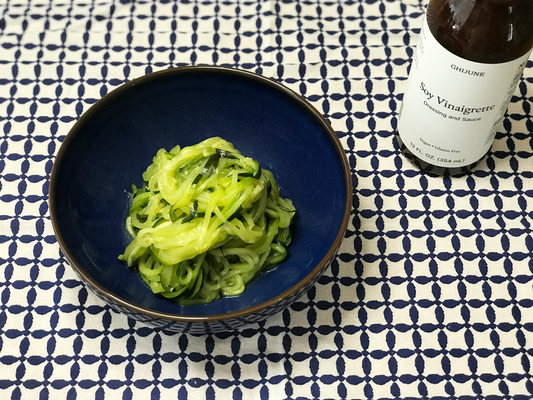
[{"x": 430, "y": 295}]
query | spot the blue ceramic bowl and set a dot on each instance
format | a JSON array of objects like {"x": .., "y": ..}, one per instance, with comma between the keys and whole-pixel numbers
[{"x": 114, "y": 141}]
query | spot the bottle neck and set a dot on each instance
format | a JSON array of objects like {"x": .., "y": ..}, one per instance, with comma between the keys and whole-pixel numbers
[{"x": 486, "y": 31}]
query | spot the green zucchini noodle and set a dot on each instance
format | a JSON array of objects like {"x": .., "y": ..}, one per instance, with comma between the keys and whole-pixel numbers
[{"x": 205, "y": 222}]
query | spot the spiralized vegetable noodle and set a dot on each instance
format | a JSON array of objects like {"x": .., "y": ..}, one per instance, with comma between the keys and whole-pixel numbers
[{"x": 205, "y": 222}]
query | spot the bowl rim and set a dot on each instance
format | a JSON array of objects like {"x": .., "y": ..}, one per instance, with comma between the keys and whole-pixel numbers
[{"x": 187, "y": 318}]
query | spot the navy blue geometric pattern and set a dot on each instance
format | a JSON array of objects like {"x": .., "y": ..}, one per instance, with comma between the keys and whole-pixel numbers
[{"x": 430, "y": 296}]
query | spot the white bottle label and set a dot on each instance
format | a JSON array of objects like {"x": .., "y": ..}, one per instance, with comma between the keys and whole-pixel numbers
[{"x": 452, "y": 107}]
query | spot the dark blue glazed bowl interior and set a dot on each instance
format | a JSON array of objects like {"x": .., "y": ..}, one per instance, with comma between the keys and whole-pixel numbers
[{"x": 114, "y": 141}]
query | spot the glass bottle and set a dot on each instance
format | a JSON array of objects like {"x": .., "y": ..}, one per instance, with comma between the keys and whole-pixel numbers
[{"x": 468, "y": 61}]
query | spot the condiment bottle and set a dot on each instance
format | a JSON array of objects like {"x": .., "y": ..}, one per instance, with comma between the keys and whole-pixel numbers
[{"x": 469, "y": 58}]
